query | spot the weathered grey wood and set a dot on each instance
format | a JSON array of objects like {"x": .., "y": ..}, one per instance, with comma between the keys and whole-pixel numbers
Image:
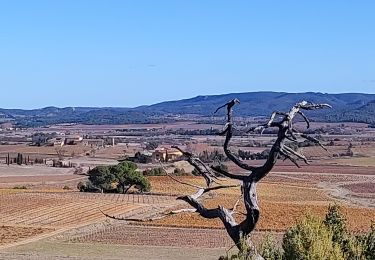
[{"x": 239, "y": 232}]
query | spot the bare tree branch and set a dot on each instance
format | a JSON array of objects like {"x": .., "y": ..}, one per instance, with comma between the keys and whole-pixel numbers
[
  {"x": 198, "y": 164},
  {"x": 229, "y": 133},
  {"x": 240, "y": 232}
]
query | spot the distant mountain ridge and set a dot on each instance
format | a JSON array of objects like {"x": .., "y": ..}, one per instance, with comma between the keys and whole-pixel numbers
[
  {"x": 260, "y": 103},
  {"x": 355, "y": 107}
]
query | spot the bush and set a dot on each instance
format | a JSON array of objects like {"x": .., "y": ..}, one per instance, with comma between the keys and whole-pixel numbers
[
  {"x": 369, "y": 243},
  {"x": 180, "y": 172},
  {"x": 336, "y": 223},
  {"x": 310, "y": 239},
  {"x": 329, "y": 239},
  {"x": 20, "y": 187},
  {"x": 66, "y": 188},
  {"x": 78, "y": 170},
  {"x": 159, "y": 171},
  {"x": 81, "y": 186},
  {"x": 246, "y": 253},
  {"x": 87, "y": 187},
  {"x": 269, "y": 249}
]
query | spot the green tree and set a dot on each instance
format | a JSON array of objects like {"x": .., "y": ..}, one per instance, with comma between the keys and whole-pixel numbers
[
  {"x": 336, "y": 223},
  {"x": 19, "y": 158},
  {"x": 152, "y": 145},
  {"x": 127, "y": 176},
  {"x": 102, "y": 177},
  {"x": 120, "y": 178}
]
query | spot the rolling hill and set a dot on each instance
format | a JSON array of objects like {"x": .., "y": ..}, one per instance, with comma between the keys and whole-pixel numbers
[{"x": 355, "y": 107}]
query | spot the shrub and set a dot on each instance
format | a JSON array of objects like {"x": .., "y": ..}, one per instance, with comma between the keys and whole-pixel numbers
[
  {"x": 336, "y": 223},
  {"x": 78, "y": 170},
  {"x": 87, "y": 187},
  {"x": 20, "y": 187},
  {"x": 66, "y": 188},
  {"x": 81, "y": 186},
  {"x": 310, "y": 239},
  {"x": 158, "y": 171},
  {"x": 269, "y": 249},
  {"x": 370, "y": 243},
  {"x": 247, "y": 252},
  {"x": 180, "y": 172}
]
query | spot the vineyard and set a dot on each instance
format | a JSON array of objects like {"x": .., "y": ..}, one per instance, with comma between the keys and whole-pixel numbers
[
  {"x": 283, "y": 199},
  {"x": 45, "y": 209},
  {"x": 153, "y": 236},
  {"x": 32, "y": 213},
  {"x": 281, "y": 205}
]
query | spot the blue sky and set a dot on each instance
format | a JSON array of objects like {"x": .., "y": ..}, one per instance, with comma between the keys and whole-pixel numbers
[{"x": 129, "y": 53}]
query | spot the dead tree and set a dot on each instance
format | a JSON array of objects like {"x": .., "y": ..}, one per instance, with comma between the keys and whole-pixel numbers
[{"x": 239, "y": 232}]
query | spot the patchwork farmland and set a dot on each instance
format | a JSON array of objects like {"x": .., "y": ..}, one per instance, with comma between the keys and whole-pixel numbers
[{"x": 41, "y": 207}]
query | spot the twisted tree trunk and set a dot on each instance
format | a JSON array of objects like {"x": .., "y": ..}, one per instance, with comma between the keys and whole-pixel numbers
[{"x": 239, "y": 232}]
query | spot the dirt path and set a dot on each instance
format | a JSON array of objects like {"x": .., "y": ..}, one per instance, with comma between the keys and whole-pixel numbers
[
  {"x": 333, "y": 185},
  {"x": 337, "y": 191}
]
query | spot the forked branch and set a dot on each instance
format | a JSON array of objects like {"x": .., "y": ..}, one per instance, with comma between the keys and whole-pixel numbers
[{"x": 239, "y": 232}]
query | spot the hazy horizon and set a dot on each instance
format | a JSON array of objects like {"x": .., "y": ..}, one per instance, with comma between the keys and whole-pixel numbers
[{"x": 184, "y": 98}]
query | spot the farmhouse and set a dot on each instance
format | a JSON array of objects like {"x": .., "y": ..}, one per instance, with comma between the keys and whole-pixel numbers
[{"x": 166, "y": 154}]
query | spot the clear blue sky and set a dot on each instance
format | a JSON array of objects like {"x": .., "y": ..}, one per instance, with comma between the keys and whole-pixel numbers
[{"x": 129, "y": 53}]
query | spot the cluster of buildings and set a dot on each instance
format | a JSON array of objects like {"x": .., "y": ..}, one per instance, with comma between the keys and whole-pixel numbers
[{"x": 68, "y": 140}]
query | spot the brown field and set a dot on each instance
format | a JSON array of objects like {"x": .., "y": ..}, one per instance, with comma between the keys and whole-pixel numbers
[
  {"x": 115, "y": 152},
  {"x": 32, "y": 213},
  {"x": 38, "y": 177},
  {"x": 11, "y": 234},
  {"x": 73, "y": 221},
  {"x": 275, "y": 216},
  {"x": 356, "y": 161},
  {"x": 42, "y": 151},
  {"x": 103, "y": 128},
  {"x": 281, "y": 203},
  {"x": 362, "y": 187},
  {"x": 314, "y": 152}
]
